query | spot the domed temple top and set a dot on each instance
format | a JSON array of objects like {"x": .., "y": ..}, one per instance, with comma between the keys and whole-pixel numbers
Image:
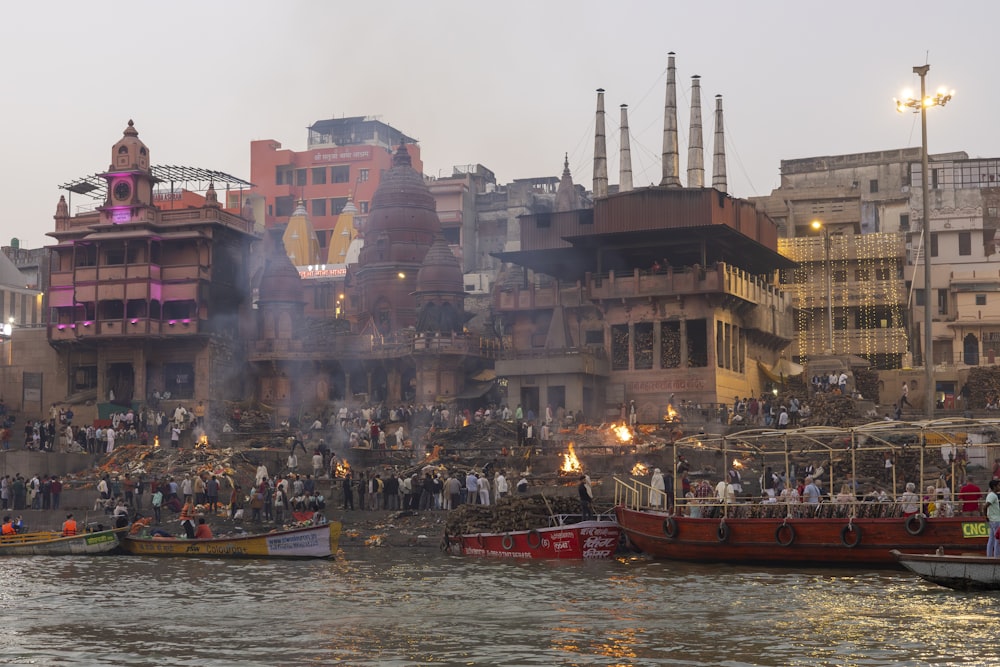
[
  {"x": 402, "y": 201},
  {"x": 280, "y": 280},
  {"x": 440, "y": 271},
  {"x": 129, "y": 153}
]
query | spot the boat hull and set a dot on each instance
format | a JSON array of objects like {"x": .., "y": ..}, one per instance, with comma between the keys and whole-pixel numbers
[
  {"x": 578, "y": 541},
  {"x": 961, "y": 573},
  {"x": 812, "y": 541},
  {"x": 54, "y": 544},
  {"x": 310, "y": 542}
]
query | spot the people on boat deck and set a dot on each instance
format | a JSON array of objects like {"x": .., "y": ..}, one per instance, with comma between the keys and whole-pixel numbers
[
  {"x": 993, "y": 516},
  {"x": 657, "y": 487},
  {"x": 969, "y": 496},
  {"x": 69, "y": 526},
  {"x": 187, "y": 518},
  {"x": 8, "y": 527},
  {"x": 203, "y": 531},
  {"x": 910, "y": 501},
  {"x": 586, "y": 498}
]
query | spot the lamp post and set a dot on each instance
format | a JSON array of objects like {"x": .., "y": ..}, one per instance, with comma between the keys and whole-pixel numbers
[
  {"x": 819, "y": 226},
  {"x": 920, "y": 105}
]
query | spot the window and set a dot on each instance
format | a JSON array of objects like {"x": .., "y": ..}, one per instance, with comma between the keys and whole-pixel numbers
[
  {"x": 337, "y": 205},
  {"x": 319, "y": 207},
  {"x": 284, "y": 206},
  {"x": 980, "y": 299},
  {"x": 840, "y": 322},
  {"x": 904, "y": 222},
  {"x": 362, "y": 175},
  {"x": 363, "y": 207},
  {"x": 991, "y": 211},
  {"x": 84, "y": 377},
  {"x": 543, "y": 221},
  {"x": 942, "y": 301},
  {"x": 114, "y": 255},
  {"x": 873, "y": 186},
  {"x": 965, "y": 243},
  {"x": 934, "y": 244},
  {"x": 839, "y": 275},
  {"x": 593, "y": 337},
  {"x": 300, "y": 177},
  {"x": 319, "y": 175},
  {"x": 862, "y": 275},
  {"x": 934, "y": 178},
  {"x": 883, "y": 273},
  {"x": 340, "y": 174},
  {"x": 178, "y": 379}
]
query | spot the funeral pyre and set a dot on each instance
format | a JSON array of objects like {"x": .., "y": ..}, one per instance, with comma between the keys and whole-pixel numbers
[{"x": 511, "y": 513}]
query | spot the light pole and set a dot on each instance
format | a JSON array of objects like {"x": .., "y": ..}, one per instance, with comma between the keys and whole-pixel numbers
[
  {"x": 819, "y": 226},
  {"x": 920, "y": 105}
]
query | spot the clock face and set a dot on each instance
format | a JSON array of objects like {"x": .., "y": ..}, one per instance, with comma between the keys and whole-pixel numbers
[{"x": 123, "y": 190}]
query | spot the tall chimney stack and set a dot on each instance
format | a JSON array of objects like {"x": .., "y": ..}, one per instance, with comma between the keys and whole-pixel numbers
[
  {"x": 719, "y": 150},
  {"x": 696, "y": 150},
  {"x": 671, "y": 156},
  {"x": 625, "y": 163},
  {"x": 600, "y": 151}
]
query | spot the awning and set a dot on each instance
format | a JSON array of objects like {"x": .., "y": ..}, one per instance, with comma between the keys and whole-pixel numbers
[
  {"x": 782, "y": 370},
  {"x": 475, "y": 390},
  {"x": 485, "y": 375}
]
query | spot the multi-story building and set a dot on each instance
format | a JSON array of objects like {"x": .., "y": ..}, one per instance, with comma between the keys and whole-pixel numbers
[{"x": 145, "y": 299}]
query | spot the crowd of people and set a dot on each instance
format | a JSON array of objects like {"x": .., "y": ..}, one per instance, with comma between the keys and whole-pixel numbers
[{"x": 431, "y": 490}]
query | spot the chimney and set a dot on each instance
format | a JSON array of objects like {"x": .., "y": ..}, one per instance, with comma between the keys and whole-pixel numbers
[
  {"x": 600, "y": 151},
  {"x": 696, "y": 150},
  {"x": 671, "y": 157},
  {"x": 625, "y": 166},
  {"x": 719, "y": 156}
]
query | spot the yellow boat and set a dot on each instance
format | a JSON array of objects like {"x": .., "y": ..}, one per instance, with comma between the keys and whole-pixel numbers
[
  {"x": 319, "y": 541},
  {"x": 45, "y": 543}
]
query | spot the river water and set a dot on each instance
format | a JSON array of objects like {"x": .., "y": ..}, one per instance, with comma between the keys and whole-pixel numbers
[{"x": 415, "y": 606}]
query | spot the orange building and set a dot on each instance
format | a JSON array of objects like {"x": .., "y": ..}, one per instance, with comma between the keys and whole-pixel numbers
[{"x": 344, "y": 161}]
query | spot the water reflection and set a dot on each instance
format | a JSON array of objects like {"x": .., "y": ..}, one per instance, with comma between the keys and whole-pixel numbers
[{"x": 416, "y": 607}]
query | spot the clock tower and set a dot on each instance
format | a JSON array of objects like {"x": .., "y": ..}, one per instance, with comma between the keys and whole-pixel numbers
[{"x": 130, "y": 181}]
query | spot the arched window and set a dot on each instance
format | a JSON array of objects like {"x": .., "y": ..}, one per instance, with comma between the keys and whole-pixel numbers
[{"x": 970, "y": 350}]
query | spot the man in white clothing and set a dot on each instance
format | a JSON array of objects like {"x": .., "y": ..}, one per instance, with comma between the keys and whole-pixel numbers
[
  {"x": 484, "y": 490},
  {"x": 500, "y": 484}
]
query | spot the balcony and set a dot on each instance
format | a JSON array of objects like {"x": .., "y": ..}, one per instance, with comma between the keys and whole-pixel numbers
[{"x": 577, "y": 361}]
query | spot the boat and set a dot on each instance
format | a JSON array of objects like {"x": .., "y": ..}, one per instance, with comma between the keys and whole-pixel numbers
[
  {"x": 861, "y": 529},
  {"x": 317, "y": 541},
  {"x": 967, "y": 572},
  {"x": 46, "y": 543},
  {"x": 583, "y": 540}
]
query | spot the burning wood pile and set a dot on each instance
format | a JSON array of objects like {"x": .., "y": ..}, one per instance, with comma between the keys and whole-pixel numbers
[{"x": 512, "y": 513}]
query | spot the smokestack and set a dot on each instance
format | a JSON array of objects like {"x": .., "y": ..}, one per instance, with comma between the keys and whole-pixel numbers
[
  {"x": 600, "y": 151},
  {"x": 719, "y": 155},
  {"x": 671, "y": 157},
  {"x": 625, "y": 166},
  {"x": 696, "y": 150}
]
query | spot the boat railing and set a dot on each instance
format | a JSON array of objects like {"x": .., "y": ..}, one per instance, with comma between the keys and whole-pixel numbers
[
  {"x": 569, "y": 519},
  {"x": 637, "y": 495}
]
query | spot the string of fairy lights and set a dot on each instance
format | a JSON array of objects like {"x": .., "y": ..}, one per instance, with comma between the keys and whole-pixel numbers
[{"x": 867, "y": 296}]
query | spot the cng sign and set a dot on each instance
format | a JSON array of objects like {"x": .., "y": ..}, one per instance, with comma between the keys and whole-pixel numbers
[{"x": 980, "y": 529}]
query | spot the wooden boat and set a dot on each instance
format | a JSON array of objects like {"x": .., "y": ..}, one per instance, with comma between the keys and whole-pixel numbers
[
  {"x": 569, "y": 541},
  {"x": 319, "y": 541},
  {"x": 858, "y": 531},
  {"x": 966, "y": 572},
  {"x": 45, "y": 543}
]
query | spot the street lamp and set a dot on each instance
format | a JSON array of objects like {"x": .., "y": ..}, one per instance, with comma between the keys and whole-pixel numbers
[
  {"x": 920, "y": 106},
  {"x": 819, "y": 226}
]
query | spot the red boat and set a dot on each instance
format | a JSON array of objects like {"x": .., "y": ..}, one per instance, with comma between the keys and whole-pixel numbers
[
  {"x": 802, "y": 540},
  {"x": 852, "y": 524},
  {"x": 583, "y": 540}
]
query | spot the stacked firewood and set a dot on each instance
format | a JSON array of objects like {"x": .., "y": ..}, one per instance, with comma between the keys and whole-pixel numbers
[
  {"x": 832, "y": 410},
  {"x": 982, "y": 386},
  {"x": 511, "y": 513}
]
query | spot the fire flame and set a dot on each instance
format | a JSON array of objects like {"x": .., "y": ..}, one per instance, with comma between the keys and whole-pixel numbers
[
  {"x": 671, "y": 414},
  {"x": 202, "y": 441},
  {"x": 343, "y": 468},
  {"x": 640, "y": 470},
  {"x": 622, "y": 432},
  {"x": 570, "y": 462},
  {"x": 737, "y": 463},
  {"x": 156, "y": 441},
  {"x": 465, "y": 422}
]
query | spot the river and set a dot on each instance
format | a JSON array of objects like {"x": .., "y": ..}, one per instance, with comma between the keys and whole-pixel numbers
[{"x": 416, "y": 606}]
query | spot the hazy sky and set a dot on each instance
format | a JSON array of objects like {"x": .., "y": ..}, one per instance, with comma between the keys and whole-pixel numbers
[{"x": 506, "y": 84}]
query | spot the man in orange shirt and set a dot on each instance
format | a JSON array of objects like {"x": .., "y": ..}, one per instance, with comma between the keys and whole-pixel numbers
[
  {"x": 8, "y": 527},
  {"x": 187, "y": 518},
  {"x": 204, "y": 531},
  {"x": 69, "y": 526}
]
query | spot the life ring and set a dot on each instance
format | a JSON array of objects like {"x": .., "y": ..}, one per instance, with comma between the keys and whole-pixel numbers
[
  {"x": 722, "y": 532},
  {"x": 850, "y": 528},
  {"x": 915, "y": 524},
  {"x": 789, "y": 538},
  {"x": 534, "y": 539},
  {"x": 670, "y": 527},
  {"x": 507, "y": 542}
]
